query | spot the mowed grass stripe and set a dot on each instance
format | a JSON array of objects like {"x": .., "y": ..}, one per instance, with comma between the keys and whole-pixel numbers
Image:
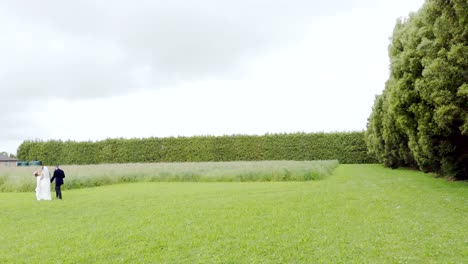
[{"x": 360, "y": 214}]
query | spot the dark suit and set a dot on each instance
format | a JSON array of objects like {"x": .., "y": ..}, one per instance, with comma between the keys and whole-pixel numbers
[{"x": 58, "y": 176}]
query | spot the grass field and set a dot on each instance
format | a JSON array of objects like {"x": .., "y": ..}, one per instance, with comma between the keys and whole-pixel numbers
[
  {"x": 20, "y": 179},
  {"x": 359, "y": 214}
]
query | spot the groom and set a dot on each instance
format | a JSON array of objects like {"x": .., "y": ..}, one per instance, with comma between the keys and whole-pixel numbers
[{"x": 58, "y": 176}]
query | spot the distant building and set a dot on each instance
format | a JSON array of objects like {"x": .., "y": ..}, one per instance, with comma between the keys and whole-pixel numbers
[{"x": 7, "y": 161}]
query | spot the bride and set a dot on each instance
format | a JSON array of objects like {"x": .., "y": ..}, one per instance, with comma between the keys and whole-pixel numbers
[{"x": 43, "y": 184}]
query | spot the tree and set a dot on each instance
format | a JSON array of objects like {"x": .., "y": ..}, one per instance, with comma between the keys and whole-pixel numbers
[{"x": 422, "y": 118}]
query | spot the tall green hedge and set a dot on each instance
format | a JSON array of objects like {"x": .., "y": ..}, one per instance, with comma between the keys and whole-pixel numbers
[
  {"x": 347, "y": 147},
  {"x": 421, "y": 118}
]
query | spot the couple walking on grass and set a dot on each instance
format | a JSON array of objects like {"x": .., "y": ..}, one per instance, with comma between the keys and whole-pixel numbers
[{"x": 43, "y": 182}]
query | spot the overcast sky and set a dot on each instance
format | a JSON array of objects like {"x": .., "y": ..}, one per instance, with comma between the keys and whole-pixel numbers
[{"x": 90, "y": 70}]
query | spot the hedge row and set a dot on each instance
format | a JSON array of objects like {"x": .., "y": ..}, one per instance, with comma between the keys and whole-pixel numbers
[
  {"x": 421, "y": 118},
  {"x": 347, "y": 147}
]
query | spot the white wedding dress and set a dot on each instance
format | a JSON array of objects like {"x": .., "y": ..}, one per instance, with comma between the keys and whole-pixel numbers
[{"x": 43, "y": 185}]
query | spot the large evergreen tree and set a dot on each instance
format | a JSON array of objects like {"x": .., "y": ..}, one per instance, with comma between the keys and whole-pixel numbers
[{"x": 421, "y": 119}]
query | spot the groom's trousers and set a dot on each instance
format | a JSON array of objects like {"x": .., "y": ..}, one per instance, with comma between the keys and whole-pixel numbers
[{"x": 58, "y": 192}]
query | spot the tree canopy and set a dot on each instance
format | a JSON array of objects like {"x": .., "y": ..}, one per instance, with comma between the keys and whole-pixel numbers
[{"x": 421, "y": 118}]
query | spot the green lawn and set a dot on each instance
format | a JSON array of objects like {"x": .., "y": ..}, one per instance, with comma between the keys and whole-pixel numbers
[{"x": 359, "y": 214}]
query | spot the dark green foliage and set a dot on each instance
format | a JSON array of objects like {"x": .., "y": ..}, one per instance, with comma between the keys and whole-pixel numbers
[
  {"x": 347, "y": 147},
  {"x": 421, "y": 119}
]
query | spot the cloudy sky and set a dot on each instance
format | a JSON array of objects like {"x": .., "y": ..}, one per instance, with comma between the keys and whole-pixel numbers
[{"x": 90, "y": 70}]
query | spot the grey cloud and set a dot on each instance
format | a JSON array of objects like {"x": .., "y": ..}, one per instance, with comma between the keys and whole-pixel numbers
[
  {"x": 99, "y": 48},
  {"x": 75, "y": 50}
]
